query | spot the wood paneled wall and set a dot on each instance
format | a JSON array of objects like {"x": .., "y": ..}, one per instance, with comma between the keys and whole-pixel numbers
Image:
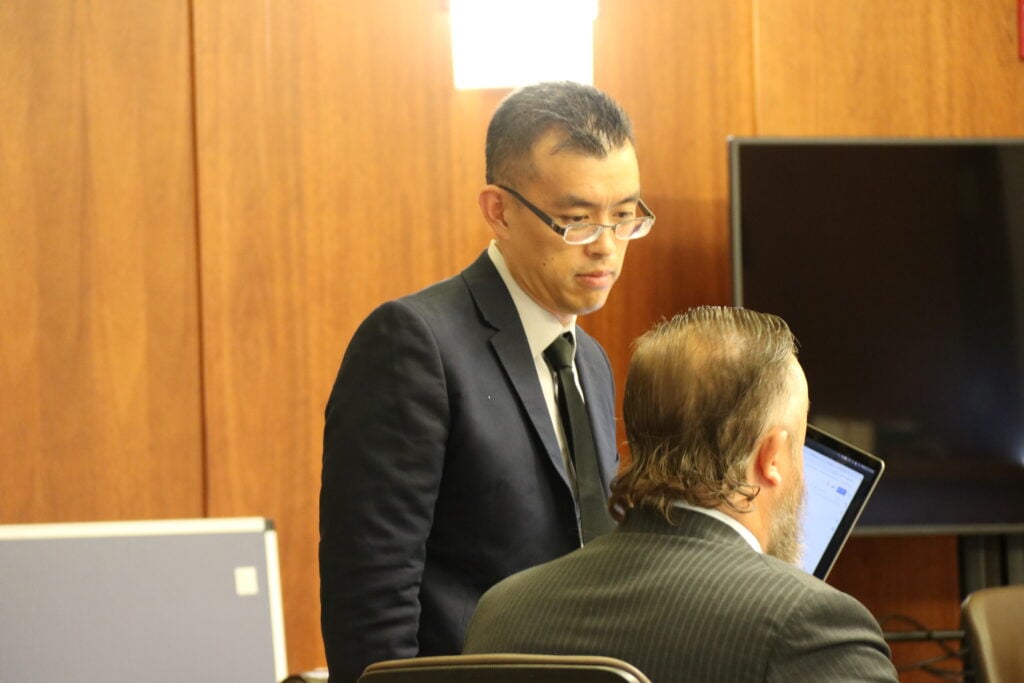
[
  {"x": 100, "y": 411},
  {"x": 201, "y": 200},
  {"x": 876, "y": 68}
]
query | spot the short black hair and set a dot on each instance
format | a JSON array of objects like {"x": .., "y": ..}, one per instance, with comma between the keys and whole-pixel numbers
[{"x": 592, "y": 122}]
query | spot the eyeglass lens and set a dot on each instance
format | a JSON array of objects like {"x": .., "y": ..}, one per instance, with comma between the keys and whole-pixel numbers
[{"x": 624, "y": 230}]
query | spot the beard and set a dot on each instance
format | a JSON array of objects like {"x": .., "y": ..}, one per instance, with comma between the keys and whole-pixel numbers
[{"x": 784, "y": 540}]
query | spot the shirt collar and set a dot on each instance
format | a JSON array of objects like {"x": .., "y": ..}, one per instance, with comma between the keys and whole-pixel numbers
[
  {"x": 541, "y": 326},
  {"x": 743, "y": 531}
]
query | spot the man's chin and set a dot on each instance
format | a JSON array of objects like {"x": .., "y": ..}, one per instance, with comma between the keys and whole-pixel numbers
[{"x": 590, "y": 306}]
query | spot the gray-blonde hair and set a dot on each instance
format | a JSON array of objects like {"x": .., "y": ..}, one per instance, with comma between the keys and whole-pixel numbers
[{"x": 700, "y": 393}]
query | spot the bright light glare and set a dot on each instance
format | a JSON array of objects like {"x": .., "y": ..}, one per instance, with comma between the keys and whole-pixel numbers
[{"x": 511, "y": 43}]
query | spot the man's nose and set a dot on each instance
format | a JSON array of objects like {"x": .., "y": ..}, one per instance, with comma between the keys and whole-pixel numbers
[{"x": 605, "y": 242}]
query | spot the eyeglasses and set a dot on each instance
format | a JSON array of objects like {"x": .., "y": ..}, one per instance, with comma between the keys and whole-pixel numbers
[{"x": 585, "y": 233}]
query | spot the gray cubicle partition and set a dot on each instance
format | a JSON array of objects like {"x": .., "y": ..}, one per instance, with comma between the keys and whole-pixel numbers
[{"x": 154, "y": 601}]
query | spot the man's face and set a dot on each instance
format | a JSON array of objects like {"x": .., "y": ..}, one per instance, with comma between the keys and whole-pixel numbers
[
  {"x": 784, "y": 540},
  {"x": 571, "y": 187}
]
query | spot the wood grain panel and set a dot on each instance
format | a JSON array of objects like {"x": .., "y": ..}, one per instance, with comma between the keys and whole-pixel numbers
[
  {"x": 99, "y": 354},
  {"x": 338, "y": 169},
  {"x": 882, "y": 68}
]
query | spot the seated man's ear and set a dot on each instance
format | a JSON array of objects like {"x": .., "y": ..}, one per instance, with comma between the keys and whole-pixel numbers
[
  {"x": 771, "y": 460},
  {"x": 492, "y": 205}
]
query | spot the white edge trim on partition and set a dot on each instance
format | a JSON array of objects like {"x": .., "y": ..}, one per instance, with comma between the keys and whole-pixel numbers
[
  {"x": 276, "y": 608},
  {"x": 159, "y": 527}
]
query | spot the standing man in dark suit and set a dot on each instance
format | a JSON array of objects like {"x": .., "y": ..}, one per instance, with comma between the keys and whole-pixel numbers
[
  {"x": 446, "y": 464},
  {"x": 697, "y": 582}
]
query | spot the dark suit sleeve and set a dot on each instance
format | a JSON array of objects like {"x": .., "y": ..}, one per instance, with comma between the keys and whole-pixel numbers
[
  {"x": 384, "y": 445},
  {"x": 830, "y": 637}
]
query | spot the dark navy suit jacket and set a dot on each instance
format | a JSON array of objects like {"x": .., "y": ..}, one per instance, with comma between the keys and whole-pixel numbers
[{"x": 442, "y": 473}]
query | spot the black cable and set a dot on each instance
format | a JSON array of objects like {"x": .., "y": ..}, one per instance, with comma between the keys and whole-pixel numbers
[
  {"x": 928, "y": 666},
  {"x": 920, "y": 632}
]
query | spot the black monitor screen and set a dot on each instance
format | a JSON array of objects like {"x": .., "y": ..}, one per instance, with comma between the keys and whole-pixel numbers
[{"x": 899, "y": 265}]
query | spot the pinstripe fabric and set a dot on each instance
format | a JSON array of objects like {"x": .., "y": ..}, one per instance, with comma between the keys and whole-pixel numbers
[{"x": 686, "y": 603}]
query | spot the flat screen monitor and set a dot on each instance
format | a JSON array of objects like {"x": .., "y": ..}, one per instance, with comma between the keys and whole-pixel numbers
[{"x": 899, "y": 265}]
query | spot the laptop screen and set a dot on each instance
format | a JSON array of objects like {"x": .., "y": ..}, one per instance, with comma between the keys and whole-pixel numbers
[{"x": 839, "y": 479}]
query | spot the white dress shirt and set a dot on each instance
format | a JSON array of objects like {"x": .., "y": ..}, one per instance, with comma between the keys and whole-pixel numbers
[{"x": 743, "y": 531}]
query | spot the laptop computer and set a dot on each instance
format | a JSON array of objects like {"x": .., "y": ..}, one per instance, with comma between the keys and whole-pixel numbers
[{"x": 839, "y": 480}]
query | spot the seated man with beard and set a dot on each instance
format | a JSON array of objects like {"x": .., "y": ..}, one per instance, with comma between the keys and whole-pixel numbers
[{"x": 697, "y": 583}]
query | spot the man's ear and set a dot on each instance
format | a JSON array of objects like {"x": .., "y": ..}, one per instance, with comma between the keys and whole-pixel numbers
[
  {"x": 771, "y": 449},
  {"x": 492, "y": 205}
]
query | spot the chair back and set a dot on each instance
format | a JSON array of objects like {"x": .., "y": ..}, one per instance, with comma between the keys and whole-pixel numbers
[
  {"x": 504, "y": 668},
  {"x": 994, "y": 621}
]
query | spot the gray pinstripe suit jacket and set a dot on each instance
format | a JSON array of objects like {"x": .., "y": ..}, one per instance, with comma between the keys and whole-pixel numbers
[{"x": 686, "y": 603}]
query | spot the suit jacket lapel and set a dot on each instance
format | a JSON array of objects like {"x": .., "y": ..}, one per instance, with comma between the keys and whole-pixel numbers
[
  {"x": 600, "y": 401},
  {"x": 513, "y": 352}
]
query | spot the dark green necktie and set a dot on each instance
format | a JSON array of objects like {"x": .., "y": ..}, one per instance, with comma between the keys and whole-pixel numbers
[{"x": 594, "y": 517}]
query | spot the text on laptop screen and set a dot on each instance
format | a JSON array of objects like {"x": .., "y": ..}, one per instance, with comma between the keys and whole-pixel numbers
[
  {"x": 838, "y": 480},
  {"x": 830, "y": 488}
]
